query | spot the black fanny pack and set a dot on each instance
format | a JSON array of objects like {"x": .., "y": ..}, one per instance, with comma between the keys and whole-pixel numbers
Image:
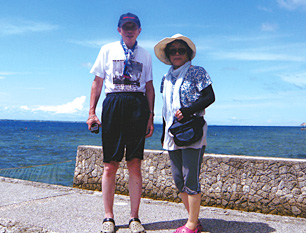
[{"x": 187, "y": 132}]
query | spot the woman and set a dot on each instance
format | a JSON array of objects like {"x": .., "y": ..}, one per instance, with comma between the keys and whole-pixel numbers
[{"x": 186, "y": 91}]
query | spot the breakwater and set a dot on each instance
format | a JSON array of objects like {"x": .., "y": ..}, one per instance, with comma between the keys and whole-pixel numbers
[{"x": 255, "y": 184}]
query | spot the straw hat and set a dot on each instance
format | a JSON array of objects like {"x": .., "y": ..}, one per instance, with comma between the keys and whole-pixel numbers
[{"x": 159, "y": 48}]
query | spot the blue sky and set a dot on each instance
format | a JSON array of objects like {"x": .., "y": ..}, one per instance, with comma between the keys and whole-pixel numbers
[{"x": 254, "y": 51}]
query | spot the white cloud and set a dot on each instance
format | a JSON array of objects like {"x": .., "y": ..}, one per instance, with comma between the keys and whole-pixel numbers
[
  {"x": 7, "y": 73},
  {"x": 91, "y": 43},
  {"x": 87, "y": 65},
  {"x": 262, "y": 8},
  {"x": 270, "y": 68},
  {"x": 248, "y": 98},
  {"x": 269, "y": 27},
  {"x": 298, "y": 80},
  {"x": 4, "y": 74},
  {"x": 17, "y": 27},
  {"x": 76, "y": 105},
  {"x": 148, "y": 44},
  {"x": 257, "y": 56},
  {"x": 241, "y": 38},
  {"x": 256, "y": 48},
  {"x": 25, "y": 108},
  {"x": 35, "y": 88},
  {"x": 292, "y": 4}
]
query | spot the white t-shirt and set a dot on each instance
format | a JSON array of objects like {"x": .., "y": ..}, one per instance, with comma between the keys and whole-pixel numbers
[{"x": 110, "y": 63}]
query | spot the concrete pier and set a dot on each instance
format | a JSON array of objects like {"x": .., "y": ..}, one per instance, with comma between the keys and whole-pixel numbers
[{"x": 253, "y": 184}]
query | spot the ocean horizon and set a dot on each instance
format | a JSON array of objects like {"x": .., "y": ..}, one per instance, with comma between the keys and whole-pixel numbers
[{"x": 45, "y": 151}]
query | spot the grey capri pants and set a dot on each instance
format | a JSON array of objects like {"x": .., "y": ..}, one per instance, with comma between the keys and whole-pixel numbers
[{"x": 185, "y": 167}]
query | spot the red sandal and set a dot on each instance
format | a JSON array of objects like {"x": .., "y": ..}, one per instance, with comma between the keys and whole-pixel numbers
[{"x": 184, "y": 229}]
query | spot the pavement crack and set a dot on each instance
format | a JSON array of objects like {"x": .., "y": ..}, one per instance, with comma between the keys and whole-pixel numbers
[{"x": 36, "y": 200}]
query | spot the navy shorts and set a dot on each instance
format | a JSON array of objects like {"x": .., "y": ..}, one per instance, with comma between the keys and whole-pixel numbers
[{"x": 124, "y": 123}]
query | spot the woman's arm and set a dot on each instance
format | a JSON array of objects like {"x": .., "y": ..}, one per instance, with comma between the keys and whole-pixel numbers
[{"x": 206, "y": 98}]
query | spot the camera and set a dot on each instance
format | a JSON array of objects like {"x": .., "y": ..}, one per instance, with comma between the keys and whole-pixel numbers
[{"x": 94, "y": 128}]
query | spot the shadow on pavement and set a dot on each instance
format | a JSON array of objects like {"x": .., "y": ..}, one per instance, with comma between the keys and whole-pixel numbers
[{"x": 212, "y": 226}]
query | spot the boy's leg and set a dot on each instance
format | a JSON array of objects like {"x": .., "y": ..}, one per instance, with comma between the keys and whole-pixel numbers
[
  {"x": 135, "y": 185},
  {"x": 108, "y": 187}
]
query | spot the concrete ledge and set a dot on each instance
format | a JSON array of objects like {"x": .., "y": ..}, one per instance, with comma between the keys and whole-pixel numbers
[{"x": 255, "y": 184}]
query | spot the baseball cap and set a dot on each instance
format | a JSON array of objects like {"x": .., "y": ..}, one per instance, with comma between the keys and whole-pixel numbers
[{"x": 128, "y": 17}]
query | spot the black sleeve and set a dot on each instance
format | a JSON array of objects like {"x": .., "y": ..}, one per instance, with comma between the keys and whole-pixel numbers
[
  {"x": 206, "y": 98},
  {"x": 163, "y": 134}
]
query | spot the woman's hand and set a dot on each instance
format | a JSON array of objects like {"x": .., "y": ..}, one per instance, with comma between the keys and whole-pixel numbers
[{"x": 179, "y": 115}]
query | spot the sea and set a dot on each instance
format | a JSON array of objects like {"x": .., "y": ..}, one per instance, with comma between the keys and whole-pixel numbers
[{"x": 45, "y": 151}]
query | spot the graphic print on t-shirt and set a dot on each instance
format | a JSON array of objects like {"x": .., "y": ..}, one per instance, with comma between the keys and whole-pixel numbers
[{"x": 126, "y": 83}]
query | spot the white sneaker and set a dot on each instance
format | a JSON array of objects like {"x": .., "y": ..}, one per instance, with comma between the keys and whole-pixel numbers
[{"x": 108, "y": 226}]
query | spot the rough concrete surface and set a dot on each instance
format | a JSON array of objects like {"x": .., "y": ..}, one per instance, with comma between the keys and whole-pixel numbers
[{"x": 27, "y": 206}]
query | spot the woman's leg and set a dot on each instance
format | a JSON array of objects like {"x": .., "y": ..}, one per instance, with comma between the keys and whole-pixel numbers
[
  {"x": 194, "y": 202},
  {"x": 184, "y": 197},
  {"x": 185, "y": 166},
  {"x": 192, "y": 160},
  {"x": 177, "y": 168}
]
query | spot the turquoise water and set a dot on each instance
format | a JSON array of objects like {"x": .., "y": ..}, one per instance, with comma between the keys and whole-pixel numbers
[{"x": 46, "y": 151}]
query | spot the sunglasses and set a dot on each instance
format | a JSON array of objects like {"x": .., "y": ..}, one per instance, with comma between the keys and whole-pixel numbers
[
  {"x": 129, "y": 27},
  {"x": 181, "y": 51}
]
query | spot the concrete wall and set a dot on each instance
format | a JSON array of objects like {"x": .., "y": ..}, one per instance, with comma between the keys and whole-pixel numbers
[{"x": 257, "y": 184}]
